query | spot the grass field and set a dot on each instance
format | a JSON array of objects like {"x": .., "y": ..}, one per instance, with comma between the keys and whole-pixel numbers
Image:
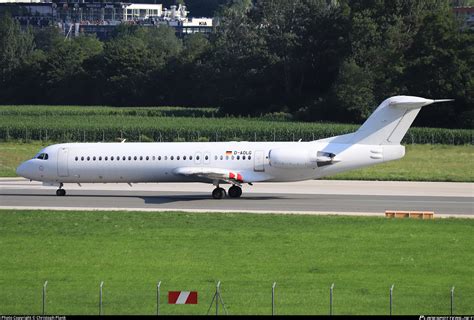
[
  {"x": 421, "y": 163},
  {"x": 131, "y": 251}
]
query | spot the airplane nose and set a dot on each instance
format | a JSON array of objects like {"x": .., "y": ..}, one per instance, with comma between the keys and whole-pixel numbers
[{"x": 22, "y": 170}]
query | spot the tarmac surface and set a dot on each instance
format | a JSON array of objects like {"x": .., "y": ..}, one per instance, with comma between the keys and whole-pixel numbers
[{"x": 307, "y": 197}]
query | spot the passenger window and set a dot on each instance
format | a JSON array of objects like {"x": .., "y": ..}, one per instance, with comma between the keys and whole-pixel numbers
[
  {"x": 135, "y": 158},
  {"x": 100, "y": 158},
  {"x": 147, "y": 158},
  {"x": 207, "y": 158},
  {"x": 141, "y": 158},
  {"x": 118, "y": 158},
  {"x": 232, "y": 157},
  {"x": 45, "y": 156},
  {"x": 93, "y": 158},
  {"x": 222, "y": 158},
  {"x": 197, "y": 157},
  {"x": 184, "y": 157},
  {"x": 177, "y": 158},
  {"x": 159, "y": 158},
  {"x": 243, "y": 157},
  {"x": 106, "y": 158},
  {"x": 124, "y": 158},
  {"x": 172, "y": 158},
  {"x": 166, "y": 157},
  {"x": 88, "y": 158},
  {"x": 129, "y": 158},
  {"x": 215, "y": 157},
  {"x": 249, "y": 157},
  {"x": 227, "y": 157},
  {"x": 112, "y": 158},
  {"x": 238, "y": 157},
  {"x": 190, "y": 157},
  {"x": 77, "y": 158}
]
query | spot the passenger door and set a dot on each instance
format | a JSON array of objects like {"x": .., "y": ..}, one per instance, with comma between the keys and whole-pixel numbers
[{"x": 63, "y": 170}]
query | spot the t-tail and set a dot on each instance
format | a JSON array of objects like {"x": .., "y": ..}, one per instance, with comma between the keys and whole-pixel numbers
[{"x": 389, "y": 123}]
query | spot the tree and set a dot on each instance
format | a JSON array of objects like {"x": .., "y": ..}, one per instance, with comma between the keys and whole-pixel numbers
[
  {"x": 440, "y": 66},
  {"x": 353, "y": 91},
  {"x": 16, "y": 47}
]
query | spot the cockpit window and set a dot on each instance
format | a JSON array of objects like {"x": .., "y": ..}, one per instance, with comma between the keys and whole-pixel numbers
[{"x": 42, "y": 156}]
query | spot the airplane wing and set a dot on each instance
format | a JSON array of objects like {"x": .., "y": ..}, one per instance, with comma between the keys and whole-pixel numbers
[{"x": 229, "y": 176}]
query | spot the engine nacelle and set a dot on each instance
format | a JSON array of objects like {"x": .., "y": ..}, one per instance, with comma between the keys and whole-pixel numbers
[{"x": 293, "y": 158}]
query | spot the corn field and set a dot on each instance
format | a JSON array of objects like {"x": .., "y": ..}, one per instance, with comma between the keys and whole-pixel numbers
[{"x": 90, "y": 124}]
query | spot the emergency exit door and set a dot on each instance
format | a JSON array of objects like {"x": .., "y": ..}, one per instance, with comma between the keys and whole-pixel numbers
[{"x": 259, "y": 159}]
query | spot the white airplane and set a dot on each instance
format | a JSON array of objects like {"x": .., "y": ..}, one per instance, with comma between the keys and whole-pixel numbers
[{"x": 234, "y": 163}]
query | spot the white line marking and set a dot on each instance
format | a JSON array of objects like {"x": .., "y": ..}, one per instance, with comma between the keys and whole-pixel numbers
[{"x": 183, "y": 296}]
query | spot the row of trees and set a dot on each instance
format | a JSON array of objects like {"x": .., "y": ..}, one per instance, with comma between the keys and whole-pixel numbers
[{"x": 316, "y": 60}]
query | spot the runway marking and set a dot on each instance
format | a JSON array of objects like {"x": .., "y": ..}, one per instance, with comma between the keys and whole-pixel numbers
[{"x": 325, "y": 213}]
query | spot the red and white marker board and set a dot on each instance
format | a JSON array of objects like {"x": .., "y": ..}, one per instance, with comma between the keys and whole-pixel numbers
[{"x": 182, "y": 297}]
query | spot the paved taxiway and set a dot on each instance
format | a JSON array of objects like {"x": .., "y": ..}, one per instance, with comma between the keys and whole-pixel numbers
[{"x": 308, "y": 197}]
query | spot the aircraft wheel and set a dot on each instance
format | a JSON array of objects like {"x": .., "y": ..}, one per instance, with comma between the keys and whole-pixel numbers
[
  {"x": 235, "y": 192},
  {"x": 60, "y": 192},
  {"x": 218, "y": 193}
]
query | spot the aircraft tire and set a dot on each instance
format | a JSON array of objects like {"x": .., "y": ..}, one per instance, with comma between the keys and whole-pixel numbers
[
  {"x": 60, "y": 192},
  {"x": 218, "y": 193},
  {"x": 235, "y": 192}
]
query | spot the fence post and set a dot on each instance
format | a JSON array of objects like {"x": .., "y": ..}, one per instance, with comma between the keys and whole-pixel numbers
[
  {"x": 452, "y": 300},
  {"x": 158, "y": 298},
  {"x": 217, "y": 297},
  {"x": 44, "y": 297},
  {"x": 391, "y": 298},
  {"x": 100, "y": 298},
  {"x": 273, "y": 298},
  {"x": 330, "y": 299}
]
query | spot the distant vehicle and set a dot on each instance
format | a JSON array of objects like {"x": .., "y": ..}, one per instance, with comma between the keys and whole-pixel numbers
[{"x": 234, "y": 163}]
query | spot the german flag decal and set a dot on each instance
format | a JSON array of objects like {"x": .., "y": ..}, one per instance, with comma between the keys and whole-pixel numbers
[{"x": 228, "y": 153}]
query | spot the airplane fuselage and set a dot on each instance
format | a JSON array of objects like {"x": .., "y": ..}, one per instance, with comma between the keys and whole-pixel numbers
[{"x": 158, "y": 162}]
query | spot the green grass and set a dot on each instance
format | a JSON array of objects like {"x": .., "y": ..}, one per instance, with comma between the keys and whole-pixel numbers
[
  {"x": 421, "y": 163},
  {"x": 131, "y": 251},
  {"x": 13, "y": 153}
]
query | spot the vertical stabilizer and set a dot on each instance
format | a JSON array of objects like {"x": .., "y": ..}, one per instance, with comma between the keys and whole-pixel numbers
[{"x": 389, "y": 123}]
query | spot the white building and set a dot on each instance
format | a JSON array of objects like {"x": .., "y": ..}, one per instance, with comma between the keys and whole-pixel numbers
[{"x": 139, "y": 11}]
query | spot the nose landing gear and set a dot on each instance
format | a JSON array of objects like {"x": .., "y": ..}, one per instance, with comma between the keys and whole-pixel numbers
[{"x": 60, "y": 192}]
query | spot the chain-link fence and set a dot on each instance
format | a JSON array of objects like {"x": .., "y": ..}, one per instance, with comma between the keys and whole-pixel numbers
[{"x": 235, "y": 297}]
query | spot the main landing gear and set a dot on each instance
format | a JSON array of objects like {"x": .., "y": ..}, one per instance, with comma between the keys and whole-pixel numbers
[
  {"x": 60, "y": 192},
  {"x": 234, "y": 192}
]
